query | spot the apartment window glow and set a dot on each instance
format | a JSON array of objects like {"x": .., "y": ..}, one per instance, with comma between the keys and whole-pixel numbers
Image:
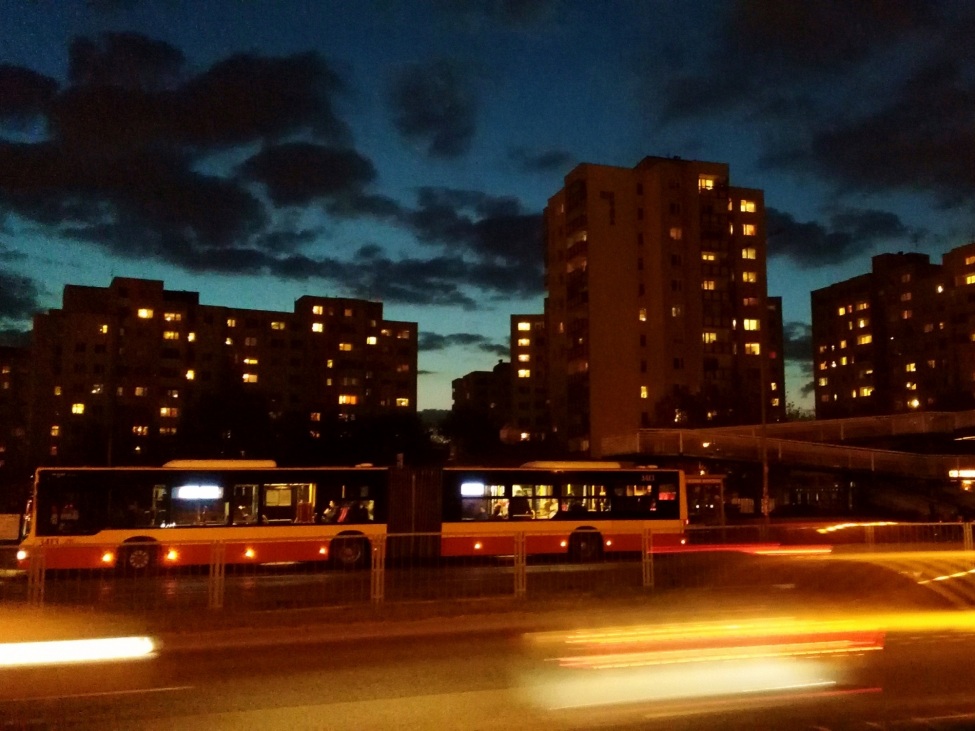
[
  {"x": 862, "y": 322},
  {"x": 170, "y": 335},
  {"x": 402, "y": 402},
  {"x": 747, "y": 206},
  {"x": 345, "y": 346},
  {"x": 524, "y": 373},
  {"x": 773, "y": 386},
  {"x": 863, "y": 306},
  {"x": 77, "y": 408},
  {"x": 524, "y": 326},
  {"x": 775, "y": 402},
  {"x": 57, "y": 390},
  {"x": 250, "y": 378},
  {"x": 103, "y": 329},
  {"x": 348, "y": 398},
  {"x": 705, "y": 182},
  {"x": 317, "y": 310},
  {"x": 749, "y": 277},
  {"x": 970, "y": 279},
  {"x": 190, "y": 375},
  {"x": 866, "y": 390},
  {"x": 864, "y": 339},
  {"x": 907, "y": 314},
  {"x": 191, "y": 337},
  {"x": 317, "y": 327},
  {"x": 751, "y": 324},
  {"x": 753, "y": 349},
  {"x": 969, "y": 260},
  {"x": 644, "y": 392},
  {"x": 169, "y": 412},
  {"x": 371, "y": 340},
  {"x": 823, "y": 381},
  {"x": 173, "y": 316},
  {"x": 231, "y": 322},
  {"x": 708, "y": 256},
  {"x": 707, "y": 285},
  {"x": 906, "y": 296},
  {"x": 642, "y": 315},
  {"x": 676, "y": 233},
  {"x": 676, "y": 311},
  {"x": 250, "y": 361},
  {"x": 523, "y": 357},
  {"x": 524, "y": 342},
  {"x": 910, "y": 386},
  {"x": 277, "y": 325},
  {"x": 140, "y": 390},
  {"x": 709, "y": 337},
  {"x": 749, "y": 253},
  {"x": 55, "y": 430},
  {"x": 228, "y": 341},
  {"x": 140, "y": 431},
  {"x": 748, "y": 229},
  {"x": 841, "y": 311},
  {"x": 822, "y": 366}
]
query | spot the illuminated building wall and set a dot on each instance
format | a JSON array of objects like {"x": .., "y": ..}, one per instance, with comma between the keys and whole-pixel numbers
[
  {"x": 115, "y": 370},
  {"x": 657, "y": 302},
  {"x": 899, "y": 339},
  {"x": 530, "y": 418}
]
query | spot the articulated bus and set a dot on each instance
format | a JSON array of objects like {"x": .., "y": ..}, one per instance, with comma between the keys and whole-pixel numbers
[
  {"x": 137, "y": 519},
  {"x": 581, "y": 510},
  {"x": 140, "y": 518}
]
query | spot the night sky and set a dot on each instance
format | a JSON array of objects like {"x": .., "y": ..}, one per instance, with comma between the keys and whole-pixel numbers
[{"x": 403, "y": 150}]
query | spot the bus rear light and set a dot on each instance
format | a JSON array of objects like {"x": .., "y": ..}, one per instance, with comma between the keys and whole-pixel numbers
[
  {"x": 172, "y": 554},
  {"x": 609, "y": 542},
  {"x": 683, "y": 541},
  {"x": 21, "y": 555},
  {"x": 478, "y": 545},
  {"x": 323, "y": 551},
  {"x": 563, "y": 544},
  {"x": 249, "y": 553},
  {"x": 108, "y": 557}
]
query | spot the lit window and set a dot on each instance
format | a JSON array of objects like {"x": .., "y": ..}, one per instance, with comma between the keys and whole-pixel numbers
[
  {"x": 940, "y": 288},
  {"x": 371, "y": 340},
  {"x": 524, "y": 373},
  {"x": 644, "y": 392},
  {"x": 317, "y": 310},
  {"x": 348, "y": 398},
  {"x": 523, "y": 357},
  {"x": 167, "y": 431},
  {"x": 775, "y": 402},
  {"x": 57, "y": 390},
  {"x": 748, "y": 252},
  {"x": 866, "y": 390},
  {"x": 823, "y": 382},
  {"x": 402, "y": 402},
  {"x": 145, "y": 313},
  {"x": 753, "y": 348},
  {"x": 523, "y": 326},
  {"x": 750, "y": 301},
  {"x": 862, "y": 322},
  {"x": 250, "y": 378},
  {"x": 191, "y": 337},
  {"x": 843, "y": 360},
  {"x": 841, "y": 311},
  {"x": 231, "y": 322},
  {"x": 329, "y": 363},
  {"x": 103, "y": 329},
  {"x": 98, "y": 388},
  {"x": 708, "y": 256},
  {"x": 141, "y": 390},
  {"x": 863, "y": 306},
  {"x": 705, "y": 182},
  {"x": 315, "y": 416},
  {"x": 642, "y": 315},
  {"x": 709, "y": 337},
  {"x": 928, "y": 327},
  {"x": 749, "y": 277},
  {"x": 172, "y": 393},
  {"x": 250, "y": 361},
  {"x": 277, "y": 325},
  {"x": 676, "y": 233},
  {"x": 523, "y": 342},
  {"x": 864, "y": 339},
  {"x": 190, "y": 375},
  {"x": 345, "y": 346},
  {"x": 173, "y": 316},
  {"x": 707, "y": 284},
  {"x": 747, "y": 206},
  {"x": 907, "y": 314},
  {"x": 970, "y": 279},
  {"x": 403, "y": 368},
  {"x": 969, "y": 260},
  {"x": 169, "y": 412},
  {"x": 822, "y": 366},
  {"x": 748, "y": 229},
  {"x": 77, "y": 408},
  {"x": 347, "y": 312},
  {"x": 910, "y": 386},
  {"x": 905, "y": 296},
  {"x": 55, "y": 430},
  {"x": 170, "y": 335},
  {"x": 931, "y": 364},
  {"x": 676, "y": 311},
  {"x": 140, "y": 431},
  {"x": 317, "y": 327},
  {"x": 751, "y": 324}
]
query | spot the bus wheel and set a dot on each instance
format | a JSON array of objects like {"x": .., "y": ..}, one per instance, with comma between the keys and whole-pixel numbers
[
  {"x": 137, "y": 558},
  {"x": 349, "y": 552},
  {"x": 585, "y": 546}
]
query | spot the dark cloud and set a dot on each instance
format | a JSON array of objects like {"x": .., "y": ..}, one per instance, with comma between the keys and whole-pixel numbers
[
  {"x": 851, "y": 233},
  {"x": 298, "y": 173},
  {"x": 18, "y": 297},
  {"x": 128, "y": 60},
  {"x": 508, "y": 13},
  {"x": 494, "y": 228},
  {"x": 547, "y": 161},
  {"x": 429, "y": 341},
  {"x": 24, "y": 93},
  {"x": 434, "y": 105},
  {"x": 798, "y": 346}
]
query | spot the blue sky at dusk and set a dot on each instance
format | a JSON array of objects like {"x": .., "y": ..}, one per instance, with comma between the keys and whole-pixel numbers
[{"x": 403, "y": 150}]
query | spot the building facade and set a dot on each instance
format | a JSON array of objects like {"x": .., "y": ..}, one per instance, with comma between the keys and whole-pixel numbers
[
  {"x": 657, "y": 308},
  {"x": 530, "y": 419},
  {"x": 121, "y": 373},
  {"x": 898, "y": 339},
  {"x": 14, "y": 405}
]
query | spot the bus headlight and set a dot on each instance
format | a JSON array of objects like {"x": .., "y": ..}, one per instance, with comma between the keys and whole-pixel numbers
[
  {"x": 21, "y": 555},
  {"x": 172, "y": 554}
]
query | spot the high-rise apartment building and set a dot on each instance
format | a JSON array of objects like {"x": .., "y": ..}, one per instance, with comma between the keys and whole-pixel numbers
[
  {"x": 116, "y": 369},
  {"x": 900, "y": 338},
  {"x": 657, "y": 305},
  {"x": 14, "y": 403},
  {"x": 530, "y": 420}
]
